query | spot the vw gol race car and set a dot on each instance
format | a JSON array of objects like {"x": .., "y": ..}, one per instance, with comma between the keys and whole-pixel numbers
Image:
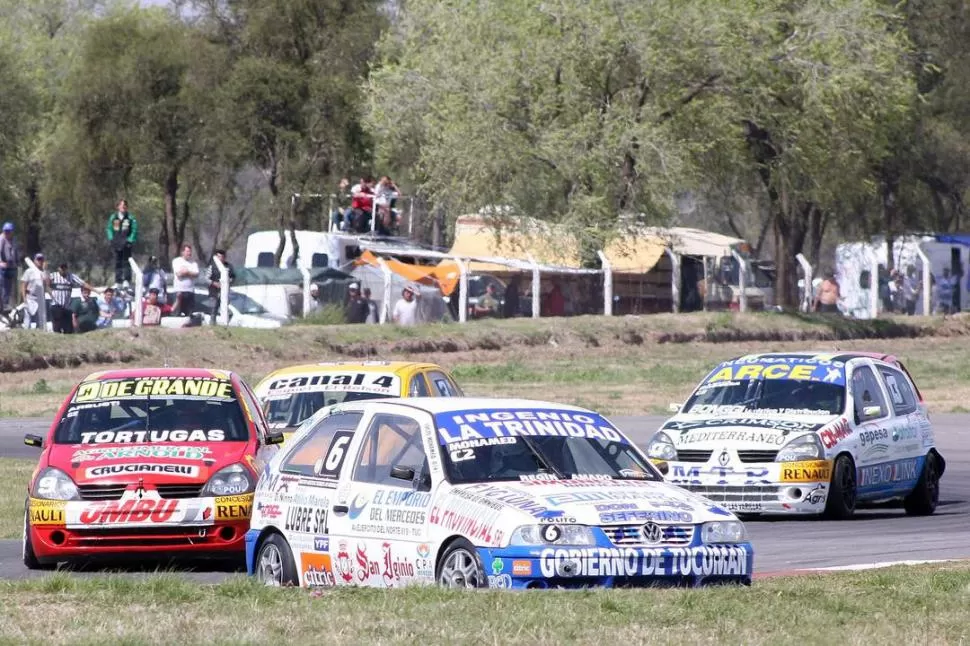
[
  {"x": 801, "y": 433},
  {"x": 147, "y": 461},
  {"x": 481, "y": 493},
  {"x": 291, "y": 395}
]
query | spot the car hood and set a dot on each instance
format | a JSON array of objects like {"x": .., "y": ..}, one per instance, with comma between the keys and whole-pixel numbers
[
  {"x": 703, "y": 432},
  {"x": 157, "y": 463},
  {"x": 594, "y": 502}
]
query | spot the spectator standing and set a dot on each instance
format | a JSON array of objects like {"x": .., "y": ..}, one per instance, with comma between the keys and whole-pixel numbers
[
  {"x": 488, "y": 304},
  {"x": 828, "y": 295},
  {"x": 154, "y": 276},
  {"x": 356, "y": 309},
  {"x": 35, "y": 286},
  {"x": 406, "y": 309},
  {"x": 62, "y": 282},
  {"x": 315, "y": 304},
  {"x": 9, "y": 262},
  {"x": 555, "y": 304},
  {"x": 212, "y": 275},
  {"x": 153, "y": 309},
  {"x": 372, "y": 315},
  {"x": 946, "y": 286},
  {"x": 912, "y": 288},
  {"x": 340, "y": 218},
  {"x": 122, "y": 231},
  {"x": 186, "y": 271},
  {"x": 385, "y": 196},
  {"x": 109, "y": 307},
  {"x": 362, "y": 204},
  {"x": 85, "y": 312},
  {"x": 510, "y": 308}
]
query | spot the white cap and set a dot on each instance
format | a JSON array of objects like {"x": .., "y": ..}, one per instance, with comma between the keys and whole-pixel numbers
[{"x": 353, "y": 286}]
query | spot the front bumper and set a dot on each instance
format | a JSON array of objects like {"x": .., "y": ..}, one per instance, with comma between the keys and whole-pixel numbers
[
  {"x": 537, "y": 567},
  {"x": 75, "y": 529},
  {"x": 759, "y": 488}
]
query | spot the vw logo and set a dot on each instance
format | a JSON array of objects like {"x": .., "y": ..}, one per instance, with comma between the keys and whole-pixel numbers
[{"x": 652, "y": 533}]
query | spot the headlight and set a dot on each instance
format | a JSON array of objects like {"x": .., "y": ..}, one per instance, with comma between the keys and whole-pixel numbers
[
  {"x": 805, "y": 447},
  {"x": 54, "y": 484},
  {"x": 230, "y": 481},
  {"x": 553, "y": 535},
  {"x": 661, "y": 447},
  {"x": 724, "y": 531}
]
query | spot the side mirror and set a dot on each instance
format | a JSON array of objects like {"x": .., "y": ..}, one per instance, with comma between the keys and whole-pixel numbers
[
  {"x": 275, "y": 437},
  {"x": 662, "y": 466},
  {"x": 674, "y": 407},
  {"x": 34, "y": 440},
  {"x": 400, "y": 472},
  {"x": 871, "y": 412}
]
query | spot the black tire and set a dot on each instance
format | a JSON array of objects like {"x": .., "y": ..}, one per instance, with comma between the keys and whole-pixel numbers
[
  {"x": 924, "y": 498},
  {"x": 274, "y": 563},
  {"x": 30, "y": 559},
  {"x": 461, "y": 567},
  {"x": 841, "y": 501}
]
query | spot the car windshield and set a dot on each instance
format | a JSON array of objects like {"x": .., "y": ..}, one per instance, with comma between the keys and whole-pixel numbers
[
  {"x": 152, "y": 410},
  {"x": 799, "y": 387},
  {"x": 494, "y": 445},
  {"x": 294, "y": 410}
]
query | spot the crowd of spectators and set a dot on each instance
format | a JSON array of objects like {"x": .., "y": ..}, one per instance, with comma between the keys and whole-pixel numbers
[{"x": 355, "y": 206}]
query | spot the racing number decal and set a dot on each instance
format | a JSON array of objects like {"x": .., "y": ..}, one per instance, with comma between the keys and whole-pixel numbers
[
  {"x": 460, "y": 455},
  {"x": 336, "y": 454},
  {"x": 894, "y": 389}
]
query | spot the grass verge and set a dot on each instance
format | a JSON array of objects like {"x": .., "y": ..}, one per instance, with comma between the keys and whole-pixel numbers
[
  {"x": 14, "y": 476},
  {"x": 906, "y": 604}
]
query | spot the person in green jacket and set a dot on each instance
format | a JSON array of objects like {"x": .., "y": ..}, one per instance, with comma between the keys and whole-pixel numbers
[{"x": 122, "y": 233}]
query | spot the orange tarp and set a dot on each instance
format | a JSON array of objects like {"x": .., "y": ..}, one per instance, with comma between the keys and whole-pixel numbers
[{"x": 446, "y": 278}]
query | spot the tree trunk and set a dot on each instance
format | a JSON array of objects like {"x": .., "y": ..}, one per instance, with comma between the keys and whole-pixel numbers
[
  {"x": 168, "y": 235},
  {"x": 292, "y": 261},
  {"x": 438, "y": 228},
  {"x": 32, "y": 220}
]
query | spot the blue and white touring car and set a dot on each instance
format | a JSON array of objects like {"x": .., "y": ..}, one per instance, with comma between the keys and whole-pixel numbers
[
  {"x": 804, "y": 433},
  {"x": 480, "y": 493}
]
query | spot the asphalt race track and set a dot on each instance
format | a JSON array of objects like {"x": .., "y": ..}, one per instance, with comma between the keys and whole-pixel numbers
[{"x": 873, "y": 536}]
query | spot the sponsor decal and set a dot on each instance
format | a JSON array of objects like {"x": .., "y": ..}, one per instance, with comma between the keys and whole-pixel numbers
[
  {"x": 740, "y": 435},
  {"x": 498, "y": 498},
  {"x": 741, "y": 507},
  {"x": 616, "y": 506},
  {"x": 653, "y": 498},
  {"x": 832, "y": 436},
  {"x": 109, "y": 470},
  {"x": 317, "y": 570},
  {"x": 806, "y": 471},
  {"x": 501, "y": 581},
  {"x": 366, "y": 382},
  {"x": 692, "y": 475},
  {"x": 816, "y": 496},
  {"x": 146, "y": 510},
  {"x": 46, "y": 512},
  {"x": 389, "y": 509},
  {"x": 903, "y": 434},
  {"x": 307, "y": 520},
  {"x": 321, "y": 543},
  {"x": 521, "y": 568},
  {"x": 468, "y": 519},
  {"x": 639, "y": 516},
  {"x": 270, "y": 511},
  {"x": 356, "y": 506},
  {"x": 234, "y": 507},
  {"x": 394, "y": 568},
  {"x": 128, "y": 452},
  {"x": 424, "y": 565},
  {"x": 462, "y": 426},
  {"x": 128, "y": 437},
  {"x": 345, "y": 566},
  {"x": 636, "y": 562},
  {"x": 794, "y": 368},
  {"x": 872, "y": 436},
  {"x": 742, "y": 409},
  {"x": 154, "y": 387},
  {"x": 888, "y": 474}
]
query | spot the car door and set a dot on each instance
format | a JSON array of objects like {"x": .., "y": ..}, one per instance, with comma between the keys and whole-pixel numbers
[
  {"x": 380, "y": 522},
  {"x": 306, "y": 485},
  {"x": 875, "y": 457}
]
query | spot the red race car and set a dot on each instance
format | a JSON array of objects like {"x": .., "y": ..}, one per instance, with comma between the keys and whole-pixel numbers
[{"x": 145, "y": 462}]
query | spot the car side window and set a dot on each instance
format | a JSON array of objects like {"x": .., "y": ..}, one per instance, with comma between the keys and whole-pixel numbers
[
  {"x": 322, "y": 450},
  {"x": 866, "y": 392},
  {"x": 418, "y": 387},
  {"x": 900, "y": 393},
  {"x": 391, "y": 440},
  {"x": 443, "y": 386}
]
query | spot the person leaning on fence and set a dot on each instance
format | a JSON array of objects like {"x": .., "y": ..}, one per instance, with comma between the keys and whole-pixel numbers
[
  {"x": 85, "y": 312},
  {"x": 109, "y": 307},
  {"x": 9, "y": 262},
  {"x": 35, "y": 286},
  {"x": 186, "y": 271},
  {"x": 213, "y": 276},
  {"x": 122, "y": 232},
  {"x": 62, "y": 283}
]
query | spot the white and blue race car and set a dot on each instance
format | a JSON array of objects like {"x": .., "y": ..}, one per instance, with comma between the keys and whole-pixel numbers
[
  {"x": 804, "y": 433},
  {"x": 480, "y": 493}
]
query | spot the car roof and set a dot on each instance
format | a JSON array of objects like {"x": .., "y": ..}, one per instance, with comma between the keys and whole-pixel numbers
[
  {"x": 439, "y": 405},
  {"x": 359, "y": 366},
  {"x": 823, "y": 355},
  {"x": 141, "y": 373}
]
